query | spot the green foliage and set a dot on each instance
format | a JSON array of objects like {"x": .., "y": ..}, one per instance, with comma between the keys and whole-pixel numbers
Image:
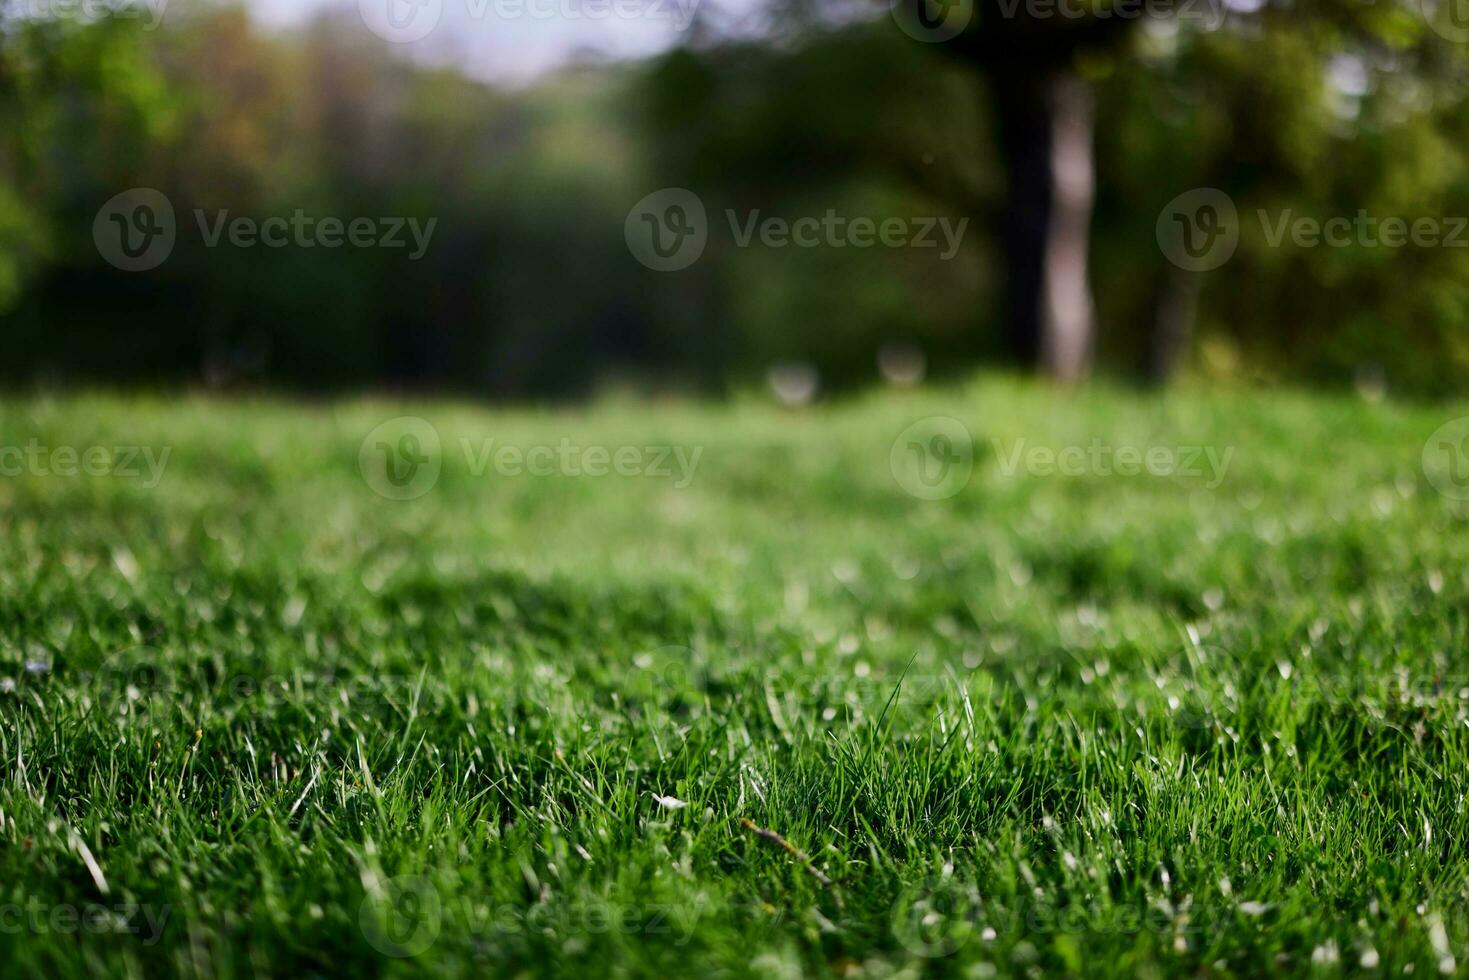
[
  {"x": 1319, "y": 110},
  {"x": 1321, "y": 113},
  {"x": 64, "y": 87}
]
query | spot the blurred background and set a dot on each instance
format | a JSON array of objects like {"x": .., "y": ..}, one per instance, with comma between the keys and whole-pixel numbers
[{"x": 528, "y": 132}]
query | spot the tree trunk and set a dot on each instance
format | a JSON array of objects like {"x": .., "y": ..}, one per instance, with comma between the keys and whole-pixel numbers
[
  {"x": 1172, "y": 329},
  {"x": 1046, "y": 135}
]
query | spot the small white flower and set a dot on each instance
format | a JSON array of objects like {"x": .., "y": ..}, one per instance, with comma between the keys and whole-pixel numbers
[{"x": 669, "y": 802}]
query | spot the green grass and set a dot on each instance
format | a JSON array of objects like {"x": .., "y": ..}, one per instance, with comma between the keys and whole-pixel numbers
[{"x": 1095, "y": 724}]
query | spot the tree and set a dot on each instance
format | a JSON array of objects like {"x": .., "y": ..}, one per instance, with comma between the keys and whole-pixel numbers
[{"x": 1033, "y": 59}]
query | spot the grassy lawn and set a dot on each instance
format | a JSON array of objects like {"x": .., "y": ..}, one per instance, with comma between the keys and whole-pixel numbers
[{"x": 747, "y": 707}]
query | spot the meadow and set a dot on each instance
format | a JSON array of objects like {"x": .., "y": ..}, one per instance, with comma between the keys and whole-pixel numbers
[{"x": 988, "y": 680}]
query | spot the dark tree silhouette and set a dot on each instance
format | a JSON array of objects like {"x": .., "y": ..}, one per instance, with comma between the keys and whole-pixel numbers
[{"x": 1045, "y": 117}]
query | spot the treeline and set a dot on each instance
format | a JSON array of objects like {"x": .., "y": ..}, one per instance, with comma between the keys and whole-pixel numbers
[{"x": 527, "y": 286}]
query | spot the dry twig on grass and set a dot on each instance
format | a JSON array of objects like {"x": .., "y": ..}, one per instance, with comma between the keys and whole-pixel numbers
[{"x": 790, "y": 848}]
